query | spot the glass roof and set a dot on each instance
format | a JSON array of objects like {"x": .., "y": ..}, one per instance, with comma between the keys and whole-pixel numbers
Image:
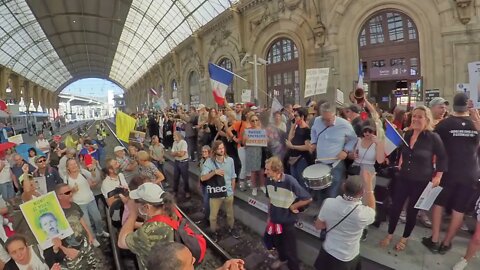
[
  {"x": 25, "y": 49},
  {"x": 154, "y": 28}
]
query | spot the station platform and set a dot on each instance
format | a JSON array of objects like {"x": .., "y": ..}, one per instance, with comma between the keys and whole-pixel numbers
[{"x": 252, "y": 211}]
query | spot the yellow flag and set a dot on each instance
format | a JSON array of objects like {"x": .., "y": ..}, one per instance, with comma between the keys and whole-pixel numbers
[{"x": 125, "y": 123}]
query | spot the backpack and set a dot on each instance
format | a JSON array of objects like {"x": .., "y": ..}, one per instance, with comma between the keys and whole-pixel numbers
[{"x": 195, "y": 242}]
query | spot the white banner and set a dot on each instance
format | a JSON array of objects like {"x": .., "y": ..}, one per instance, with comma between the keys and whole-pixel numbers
[
  {"x": 17, "y": 139},
  {"x": 316, "y": 81},
  {"x": 276, "y": 105},
  {"x": 246, "y": 95},
  {"x": 474, "y": 76}
]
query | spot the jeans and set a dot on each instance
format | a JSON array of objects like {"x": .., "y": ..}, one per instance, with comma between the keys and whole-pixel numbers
[
  {"x": 180, "y": 169},
  {"x": 206, "y": 201},
  {"x": 91, "y": 210},
  {"x": 215, "y": 205},
  {"x": 7, "y": 191},
  {"x": 339, "y": 174},
  {"x": 158, "y": 165},
  {"x": 296, "y": 171},
  {"x": 192, "y": 146}
]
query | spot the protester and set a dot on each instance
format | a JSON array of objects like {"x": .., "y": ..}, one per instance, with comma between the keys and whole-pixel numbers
[
  {"x": 47, "y": 173},
  {"x": 6, "y": 179},
  {"x": 345, "y": 218},
  {"x": 438, "y": 106},
  {"x": 114, "y": 179},
  {"x": 286, "y": 197},
  {"x": 42, "y": 144},
  {"x": 254, "y": 162},
  {"x": 26, "y": 257},
  {"x": 128, "y": 166},
  {"x": 473, "y": 245},
  {"x": 180, "y": 154},
  {"x": 148, "y": 200},
  {"x": 157, "y": 152},
  {"x": 148, "y": 169}
]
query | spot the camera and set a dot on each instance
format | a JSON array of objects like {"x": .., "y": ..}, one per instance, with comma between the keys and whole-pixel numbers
[{"x": 118, "y": 191}]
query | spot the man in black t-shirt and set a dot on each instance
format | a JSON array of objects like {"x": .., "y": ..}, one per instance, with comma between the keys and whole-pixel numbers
[{"x": 461, "y": 140}]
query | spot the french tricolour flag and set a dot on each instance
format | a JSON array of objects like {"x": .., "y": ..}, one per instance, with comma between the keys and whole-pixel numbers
[
  {"x": 220, "y": 80},
  {"x": 392, "y": 139}
]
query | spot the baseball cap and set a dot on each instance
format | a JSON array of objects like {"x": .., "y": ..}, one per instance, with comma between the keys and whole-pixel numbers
[
  {"x": 118, "y": 148},
  {"x": 437, "y": 101},
  {"x": 200, "y": 106},
  {"x": 148, "y": 192},
  {"x": 460, "y": 101}
]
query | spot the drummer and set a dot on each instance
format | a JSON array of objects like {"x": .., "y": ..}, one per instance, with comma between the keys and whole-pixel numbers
[{"x": 333, "y": 138}]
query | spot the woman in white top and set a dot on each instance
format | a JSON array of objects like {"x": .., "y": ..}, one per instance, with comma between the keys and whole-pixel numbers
[
  {"x": 157, "y": 152},
  {"x": 25, "y": 257},
  {"x": 81, "y": 183},
  {"x": 369, "y": 149},
  {"x": 42, "y": 144}
]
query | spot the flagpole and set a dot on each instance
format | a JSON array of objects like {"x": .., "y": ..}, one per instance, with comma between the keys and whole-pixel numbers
[{"x": 238, "y": 76}]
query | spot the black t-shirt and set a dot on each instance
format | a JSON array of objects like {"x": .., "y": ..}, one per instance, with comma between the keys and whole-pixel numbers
[
  {"x": 301, "y": 135},
  {"x": 461, "y": 141},
  {"x": 357, "y": 125},
  {"x": 74, "y": 215}
]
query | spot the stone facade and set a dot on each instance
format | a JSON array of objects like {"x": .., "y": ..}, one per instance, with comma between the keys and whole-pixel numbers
[{"x": 326, "y": 35}]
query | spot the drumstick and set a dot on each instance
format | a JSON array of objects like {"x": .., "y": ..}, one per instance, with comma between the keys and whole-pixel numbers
[{"x": 324, "y": 159}]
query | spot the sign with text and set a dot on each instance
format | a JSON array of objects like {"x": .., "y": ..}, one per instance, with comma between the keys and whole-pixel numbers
[
  {"x": 256, "y": 137},
  {"x": 246, "y": 95},
  {"x": 339, "y": 98},
  {"x": 17, "y": 139},
  {"x": 474, "y": 76},
  {"x": 46, "y": 219},
  {"x": 431, "y": 94},
  {"x": 316, "y": 81}
]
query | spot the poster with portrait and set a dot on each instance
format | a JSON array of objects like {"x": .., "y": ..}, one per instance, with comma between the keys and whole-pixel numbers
[
  {"x": 46, "y": 219},
  {"x": 136, "y": 136},
  {"x": 474, "y": 76}
]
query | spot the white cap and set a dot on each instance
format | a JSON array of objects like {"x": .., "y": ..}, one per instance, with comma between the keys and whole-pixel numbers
[
  {"x": 148, "y": 192},
  {"x": 253, "y": 108},
  {"x": 118, "y": 148},
  {"x": 200, "y": 106}
]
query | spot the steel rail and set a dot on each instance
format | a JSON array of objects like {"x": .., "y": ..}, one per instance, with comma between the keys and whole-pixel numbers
[{"x": 218, "y": 249}]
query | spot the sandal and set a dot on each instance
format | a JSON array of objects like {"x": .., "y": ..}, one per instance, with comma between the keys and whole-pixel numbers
[
  {"x": 401, "y": 245},
  {"x": 386, "y": 241}
]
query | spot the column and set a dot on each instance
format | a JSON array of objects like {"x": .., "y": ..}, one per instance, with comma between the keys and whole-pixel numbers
[
  {"x": 36, "y": 96},
  {"x": 43, "y": 99},
  {"x": 27, "y": 90},
  {"x": 15, "y": 87},
  {"x": 4, "y": 77}
]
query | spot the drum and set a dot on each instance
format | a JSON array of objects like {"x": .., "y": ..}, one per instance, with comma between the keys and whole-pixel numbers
[{"x": 317, "y": 176}]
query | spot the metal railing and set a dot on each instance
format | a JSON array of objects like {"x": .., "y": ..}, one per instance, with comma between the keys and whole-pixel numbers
[{"x": 217, "y": 249}]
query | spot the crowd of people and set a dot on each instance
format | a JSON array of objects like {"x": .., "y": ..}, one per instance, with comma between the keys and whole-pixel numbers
[{"x": 441, "y": 147}]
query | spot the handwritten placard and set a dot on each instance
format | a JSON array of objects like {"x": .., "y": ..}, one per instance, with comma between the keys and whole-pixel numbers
[
  {"x": 256, "y": 137},
  {"x": 246, "y": 95},
  {"x": 316, "y": 81}
]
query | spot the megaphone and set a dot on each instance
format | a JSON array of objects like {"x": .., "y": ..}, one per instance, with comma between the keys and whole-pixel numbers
[{"x": 359, "y": 95}]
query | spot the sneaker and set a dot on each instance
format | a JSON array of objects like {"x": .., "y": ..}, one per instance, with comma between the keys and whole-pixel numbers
[
  {"x": 403, "y": 217},
  {"x": 364, "y": 235},
  {"x": 464, "y": 227},
  {"x": 425, "y": 220},
  {"x": 444, "y": 249},
  {"x": 96, "y": 243},
  {"x": 254, "y": 191},
  {"x": 460, "y": 265},
  {"x": 264, "y": 190},
  {"x": 103, "y": 234},
  {"x": 432, "y": 246},
  {"x": 234, "y": 233}
]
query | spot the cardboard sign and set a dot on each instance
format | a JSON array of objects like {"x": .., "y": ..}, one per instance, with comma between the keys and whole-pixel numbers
[
  {"x": 17, "y": 139},
  {"x": 339, "y": 98},
  {"x": 46, "y": 219},
  {"x": 316, "y": 81},
  {"x": 256, "y": 137},
  {"x": 136, "y": 136},
  {"x": 246, "y": 95}
]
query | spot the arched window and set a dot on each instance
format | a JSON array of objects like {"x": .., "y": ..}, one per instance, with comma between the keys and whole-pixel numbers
[
  {"x": 194, "y": 85},
  {"x": 390, "y": 54},
  {"x": 227, "y": 64},
  {"x": 174, "y": 88},
  {"x": 282, "y": 72}
]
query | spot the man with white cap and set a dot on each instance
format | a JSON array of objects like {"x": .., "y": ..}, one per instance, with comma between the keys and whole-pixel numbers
[
  {"x": 439, "y": 107},
  {"x": 128, "y": 166},
  {"x": 149, "y": 200}
]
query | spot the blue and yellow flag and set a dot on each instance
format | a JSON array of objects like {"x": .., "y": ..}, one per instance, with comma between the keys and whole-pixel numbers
[{"x": 125, "y": 123}]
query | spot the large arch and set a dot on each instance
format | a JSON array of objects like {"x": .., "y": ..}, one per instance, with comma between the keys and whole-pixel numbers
[{"x": 358, "y": 13}]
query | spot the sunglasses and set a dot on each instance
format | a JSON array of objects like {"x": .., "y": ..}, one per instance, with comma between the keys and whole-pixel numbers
[
  {"x": 367, "y": 130},
  {"x": 41, "y": 161},
  {"x": 67, "y": 193}
]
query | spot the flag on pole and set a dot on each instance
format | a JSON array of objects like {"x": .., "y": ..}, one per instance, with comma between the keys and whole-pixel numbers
[
  {"x": 276, "y": 105},
  {"x": 153, "y": 92},
  {"x": 392, "y": 138},
  {"x": 360, "y": 76},
  {"x": 220, "y": 80},
  {"x": 124, "y": 123}
]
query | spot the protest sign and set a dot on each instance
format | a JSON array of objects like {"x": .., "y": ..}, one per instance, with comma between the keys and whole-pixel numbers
[
  {"x": 256, "y": 137},
  {"x": 46, "y": 219},
  {"x": 136, "y": 136},
  {"x": 316, "y": 81},
  {"x": 246, "y": 95},
  {"x": 17, "y": 139},
  {"x": 474, "y": 76}
]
